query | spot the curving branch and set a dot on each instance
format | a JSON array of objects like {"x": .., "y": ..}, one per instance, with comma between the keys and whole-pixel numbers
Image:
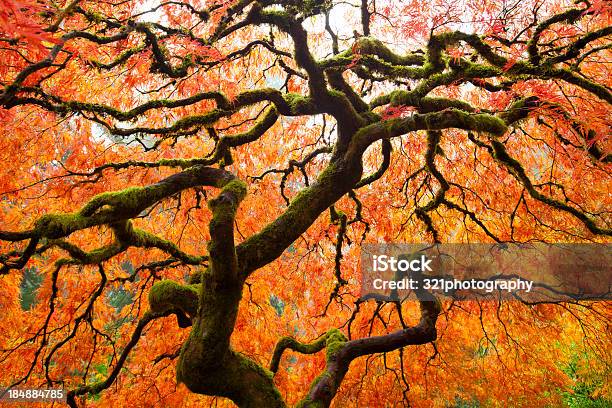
[
  {"x": 114, "y": 209},
  {"x": 289, "y": 343},
  {"x": 108, "y": 381}
]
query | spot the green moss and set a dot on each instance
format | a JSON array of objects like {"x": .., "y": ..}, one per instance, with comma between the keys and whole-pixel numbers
[
  {"x": 431, "y": 104},
  {"x": 489, "y": 123},
  {"x": 369, "y": 45},
  {"x": 237, "y": 187},
  {"x": 95, "y": 17},
  {"x": 454, "y": 118},
  {"x": 433, "y": 81},
  {"x": 129, "y": 198},
  {"x": 480, "y": 71},
  {"x": 371, "y": 117},
  {"x": 394, "y": 126},
  {"x": 312, "y": 7},
  {"x": 250, "y": 365},
  {"x": 336, "y": 215},
  {"x": 335, "y": 342},
  {"x": 519, "y": 109},
  {"x": 101, "y": 254},
  {"x": 400, "y": 97},
  {"x": 55, "y": 226},
  {"x": 281, "y": 19},
  {"x": 253, "y": 96},
  {"x": 123, "y": 57},
  {"x": 231, "y": 375},
  {"x": 168, "y": 295},
  {"x": 188, "y": 61},
  {"x": 299, "y": 103},
  {"x": 196, "y": 277},
  {"x": 205, "y": 119},
  {"x": 224, "y": 208},
  {"x": 308, "y": 403}
]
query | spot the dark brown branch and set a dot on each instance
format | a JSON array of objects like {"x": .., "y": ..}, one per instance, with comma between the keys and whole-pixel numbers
[{"x": 102, "y": 385}]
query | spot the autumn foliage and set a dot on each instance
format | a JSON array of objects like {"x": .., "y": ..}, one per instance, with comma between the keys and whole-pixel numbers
[{"x": 185, "y": 187}]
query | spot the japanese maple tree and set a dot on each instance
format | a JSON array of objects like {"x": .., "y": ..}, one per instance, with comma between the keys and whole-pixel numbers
[{"x": 185, "y": 187}]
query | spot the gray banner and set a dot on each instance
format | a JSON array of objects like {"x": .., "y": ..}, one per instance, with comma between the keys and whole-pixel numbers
[{"x": 534, "y": 272}]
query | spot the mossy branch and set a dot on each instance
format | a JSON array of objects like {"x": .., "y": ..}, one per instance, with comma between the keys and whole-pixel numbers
[
  {"x": 169, "y": 295},
  {"x": 368, "y": 46},
  {"x": 221, "y": 248},
  {"x": 291, "y": 343},
  {"x": 384, "y": 165},
  {"x": 114, "y": 209},
  {"x": 340, "y": 352}
]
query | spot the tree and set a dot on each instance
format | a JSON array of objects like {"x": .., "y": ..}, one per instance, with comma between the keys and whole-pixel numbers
[{"x": 444, "y": 121}]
